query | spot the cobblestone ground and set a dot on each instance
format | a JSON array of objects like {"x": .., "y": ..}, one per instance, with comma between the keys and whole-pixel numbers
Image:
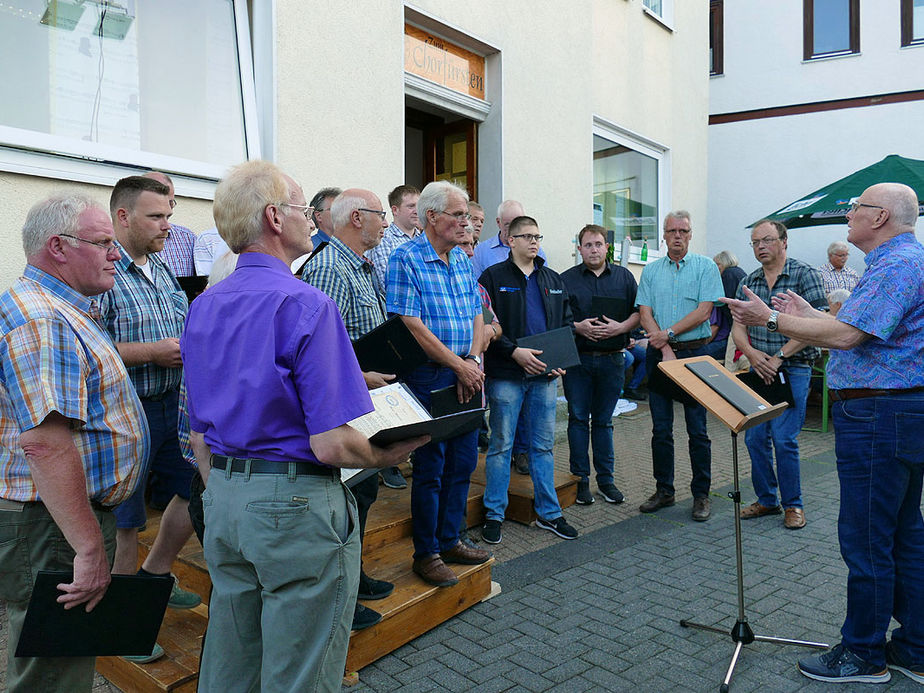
[{"x": 602, "y": 612}]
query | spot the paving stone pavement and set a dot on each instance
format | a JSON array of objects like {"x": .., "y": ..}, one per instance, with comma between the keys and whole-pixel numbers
[{"x": 602, "y": 612}]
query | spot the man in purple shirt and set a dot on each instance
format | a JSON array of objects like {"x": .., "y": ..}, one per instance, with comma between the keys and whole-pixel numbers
[
  {"x": 876, "y": 376},
  {"x": 282, "y": 543}
]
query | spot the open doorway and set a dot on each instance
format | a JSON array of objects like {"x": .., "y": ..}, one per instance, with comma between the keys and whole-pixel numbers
[{"x": 440, "y": 145}]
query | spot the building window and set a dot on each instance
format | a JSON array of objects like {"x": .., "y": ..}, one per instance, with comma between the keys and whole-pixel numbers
[
  {"x": 912, "y": 22},
  {"x": 830, "y": 28},
  {"x": 662, "y": 9},
  {"x": 716, "y": 38},
  {"x": 162, "y": 85},
  {"x": 626, "y": 189}
]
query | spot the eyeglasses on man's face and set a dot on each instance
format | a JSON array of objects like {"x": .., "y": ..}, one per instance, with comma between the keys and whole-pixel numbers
[
  {"x": 108, "y": 246},
  {"x": 531, "y": 237},
  {"x": 307, "y": 210},
  {"x": 679, "y": 232},
  {"x": 458, "y": 216},
  {"x": 855, "y": 204},
  {"x": 765, "y": 241},
  {"x": 380, "y": 213}
]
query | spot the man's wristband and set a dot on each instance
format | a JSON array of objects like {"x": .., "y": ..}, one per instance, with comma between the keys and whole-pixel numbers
[{"x": 779, "y": 354}]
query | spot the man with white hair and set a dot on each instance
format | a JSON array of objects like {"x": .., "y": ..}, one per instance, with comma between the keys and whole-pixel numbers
[
  {"x": 282, "y": 544},
  {"x": 876, "y": 378},
  {"x": 497, "y": 248},
  {"x": 74, "y": 438},
  {"x": 834, "y": 273}
]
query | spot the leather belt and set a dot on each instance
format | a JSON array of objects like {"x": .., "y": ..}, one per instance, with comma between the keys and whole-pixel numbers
[
  {"x": 692, "y": 344},
  {"x": 860, "y": 392},
  {"x": 258, "y": 466}
]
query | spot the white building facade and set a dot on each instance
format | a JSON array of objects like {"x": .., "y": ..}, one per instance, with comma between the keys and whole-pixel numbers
[
  {"x": 804, "y": 93},
  {"x": 585, "y": 110}
]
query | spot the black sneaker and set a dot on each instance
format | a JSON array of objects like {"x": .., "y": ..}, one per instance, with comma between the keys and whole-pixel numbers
[
  {"x": 370, "y": 588},
  {"x": 611, "y": 494},
  {"x": 638, "y": 396},
  {"x": 558, "y": 526},
  {"x": 896, "y": 661},
  {"x": 392, "y": 478},
  {"x": 584, "y": 496},
  {"x": 363, "y": 617},
  {"x": 491, "y": 532},
  {"x": 521, "y": 463},
  {"x": 840, "y": 665}
]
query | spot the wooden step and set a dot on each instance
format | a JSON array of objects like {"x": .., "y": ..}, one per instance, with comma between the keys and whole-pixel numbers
[
  {"x": 181, "y": 637},
  {"x": 189, "y": 567},
  {"x": 520, "y": 495},
  {"x": 414, "y": 607}
]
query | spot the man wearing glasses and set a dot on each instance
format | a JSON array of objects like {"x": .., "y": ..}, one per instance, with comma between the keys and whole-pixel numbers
[
  {"x": 528, "y": 298},
  {"x": 770, "y": 354},
  {"x": 877, "y": 384},
  {"x": 834, "y": 273},
  {"x": 432, "y": 288},
  {"x": 321, "y": 203},
  {"x": 676, "y": 295}
]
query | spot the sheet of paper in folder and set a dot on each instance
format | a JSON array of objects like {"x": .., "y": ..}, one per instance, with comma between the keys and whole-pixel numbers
[{"x": 395, "y": 405}]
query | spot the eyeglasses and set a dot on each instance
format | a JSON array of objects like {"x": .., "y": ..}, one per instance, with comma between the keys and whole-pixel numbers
[
  {"x": 458, "y": 216},
  {"x": 680, "y": 232},
  {"x": 381, "y": 215},
  {"x": 766, "y": 241},
  {"x": 531, "y": 237},
  {"x": 307, "y": 210},
  {"x": 107, "y": 246},
  {"x": 855, "y": 204}
]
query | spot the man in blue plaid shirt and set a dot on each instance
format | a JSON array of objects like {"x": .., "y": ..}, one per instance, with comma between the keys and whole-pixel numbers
[
  {"x": 432, "y": 287},
  {"x": 771, "y": 353}
]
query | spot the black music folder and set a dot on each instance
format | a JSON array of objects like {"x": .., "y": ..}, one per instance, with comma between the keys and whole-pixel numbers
[
  {"x": 439, "y": 429},
  {"x": 558, "y": 348},
  {"x": 389, "y": 348},
  {"x": 125, "y": 622},
  {"x": 775, "y": 392},
  {"x": 721, "y": 382},
  {"x": 192, "y": 286},
  {"x": 614, "y": 309}
]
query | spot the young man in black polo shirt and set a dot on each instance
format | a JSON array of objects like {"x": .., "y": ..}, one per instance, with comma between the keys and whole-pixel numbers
[{"x": 593, "y": 388}]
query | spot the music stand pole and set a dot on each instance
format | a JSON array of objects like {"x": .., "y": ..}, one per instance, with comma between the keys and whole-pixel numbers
[{"x": 741, "y": 633}]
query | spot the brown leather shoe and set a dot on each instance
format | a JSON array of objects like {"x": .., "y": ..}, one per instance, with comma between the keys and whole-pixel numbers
[
  {"x": 466, "y": 555},
  {"x": 794, "y": 518},
  {"x": 656, "y": 501},
  {"x": 755, "y": 509},
  {"x": 433, "y": 571},
  {"x": 702, "y": 509}
]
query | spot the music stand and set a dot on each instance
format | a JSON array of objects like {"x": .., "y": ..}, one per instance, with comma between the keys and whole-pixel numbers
[{"x": 741, "y": 633}]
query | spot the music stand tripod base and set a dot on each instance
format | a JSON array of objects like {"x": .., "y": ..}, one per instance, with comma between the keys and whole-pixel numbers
[{"x": 741, "y": 633}]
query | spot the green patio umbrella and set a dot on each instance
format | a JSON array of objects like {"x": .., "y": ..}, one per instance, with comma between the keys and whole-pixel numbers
[{"x": 829, "y": 205}]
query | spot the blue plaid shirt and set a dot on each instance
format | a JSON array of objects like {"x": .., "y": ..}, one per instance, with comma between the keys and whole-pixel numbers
[
  {"x": 135, "y": 310},
  {"x": 445, "y": 297}
]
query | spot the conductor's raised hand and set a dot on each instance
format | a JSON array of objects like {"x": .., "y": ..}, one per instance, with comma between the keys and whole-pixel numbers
[
  {"x": 751, "y": 312},
  {"x": 792, "y": 303}
]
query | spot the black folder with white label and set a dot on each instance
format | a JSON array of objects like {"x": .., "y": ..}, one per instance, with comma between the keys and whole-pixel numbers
[
  {"x": 719, "y": 381},
  {"x": 125, "y": 622},
  {"x": 558, "y": 348}
]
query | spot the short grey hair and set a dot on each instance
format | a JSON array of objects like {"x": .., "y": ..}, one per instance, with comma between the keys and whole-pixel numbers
[
  {"x": 838, "y": 296},
  {"x": 837, "y": 245},
  {"x": 502, "y": 207},
  {"x": 725, "y": 259},
  {"x": 677, "y": 214},
  {"x": 342, "y": 208},
  {"x": 241, "y": 198},
  {"x": 435, "y": 198},
  {"x": 53, "y": 216}
]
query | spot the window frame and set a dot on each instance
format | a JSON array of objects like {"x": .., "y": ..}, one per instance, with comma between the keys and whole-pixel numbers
[
  {"x": 643, "y": 145},
  {"x": 63, "y": 158},
  {"x": 808, "y": 32},
  {"x": 907, "y": 22},
  {"x": 717, "y": 36},
  {"x": 665, "y": 17}
]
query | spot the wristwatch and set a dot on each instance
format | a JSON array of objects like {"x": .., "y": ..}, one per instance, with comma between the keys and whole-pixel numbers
[
  {"x": 670, "y": 334},
  {"x": 473, "y": 357},
  {"x": 779, "y": 354},
  {"x": 772, "y": 322}
]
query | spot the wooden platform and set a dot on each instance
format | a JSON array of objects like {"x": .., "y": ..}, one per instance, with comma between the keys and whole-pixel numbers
[{"x": 411, "y": 610}]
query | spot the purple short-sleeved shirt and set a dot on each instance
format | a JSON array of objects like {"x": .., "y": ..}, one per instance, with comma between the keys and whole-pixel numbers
[
  {"x": 268, "y": 364},
  {"x": 887, "y": 303}
]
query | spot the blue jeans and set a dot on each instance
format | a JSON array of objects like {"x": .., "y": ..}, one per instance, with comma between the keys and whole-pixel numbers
[
  {"x": 442, "y": 471},
  {"x": 507, "y": 398},
  {"x": 662, "y": 434},
  {"x": 521, "y": 439},
  {"x": 592, "y": 390},
  {"x": 635, "y": 355},
  {"x": 783, "y": 434},
  {"x": 717, "y": 349},
  {"x": 880, "y": 464}
]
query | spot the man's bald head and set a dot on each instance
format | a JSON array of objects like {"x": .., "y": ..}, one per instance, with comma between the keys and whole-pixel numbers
[{"x": 901, "y": 200}]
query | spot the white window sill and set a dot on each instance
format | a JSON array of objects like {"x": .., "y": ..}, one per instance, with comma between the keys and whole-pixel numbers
[{"x": 659, "y": 19}]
